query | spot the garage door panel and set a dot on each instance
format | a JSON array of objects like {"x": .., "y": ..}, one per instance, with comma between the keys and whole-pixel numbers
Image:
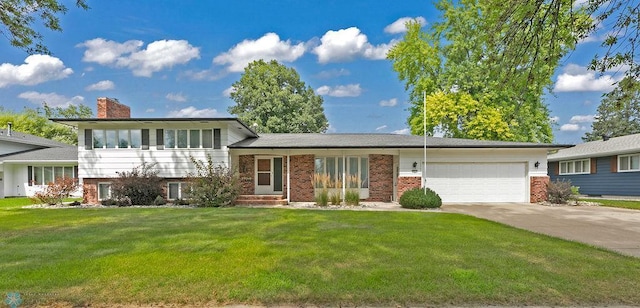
[{"x": 478, "y": 182}]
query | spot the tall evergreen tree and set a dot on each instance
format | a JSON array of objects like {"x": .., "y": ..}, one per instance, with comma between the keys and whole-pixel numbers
[{"x": 618, "y": 113}]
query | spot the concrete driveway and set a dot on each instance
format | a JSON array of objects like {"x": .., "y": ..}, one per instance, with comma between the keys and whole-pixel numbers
[{"x": 611, "y": 228}]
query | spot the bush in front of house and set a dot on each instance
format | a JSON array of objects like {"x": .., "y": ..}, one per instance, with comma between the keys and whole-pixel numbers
[
  {"x": 139, "y": 186},
  {"x": 417, "y": 198},
  {"x": 213, "y": 185},
  {"x": 57, "y": 190},
  {"x": 322, "y": 198},
  {"x": 561, "y": 192},
  {"x": 352, "y": 197}
]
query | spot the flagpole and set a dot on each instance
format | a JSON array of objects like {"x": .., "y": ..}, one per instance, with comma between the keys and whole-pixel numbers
[{"x": 424, "y": 132}]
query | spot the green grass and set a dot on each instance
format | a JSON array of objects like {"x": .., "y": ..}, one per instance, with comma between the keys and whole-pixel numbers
[
  {"x": 297, "y": 257},
  {"x": 635, "y": 205}
]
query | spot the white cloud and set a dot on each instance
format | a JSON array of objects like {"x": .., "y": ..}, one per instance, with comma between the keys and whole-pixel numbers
[
  {"x": 268, "y": 47},
  {"x": 399, "y": 26},
  {"x": 570, "y": 127},
  {"x": 208, "y": 75},
  {"x": 193, "y": 112},
  {"x": 390, "y": 103},
  {"x": 176, "y": 97},
  {"x": 347, "y": 44},
  {"x": 51, "y": 99},
  {"x": 333, "y": 73},
  {"x": 404, "y": 131},
  {"x": 576, "y": 78},
  {"x": 101, "y": 86},
  {"x": 350, "y": 90},
  {"x": 158, "y": 55},
  {"x": 150, "y": 110},
  {"x": 36, "y": 69},
  {"x": 227, "y": 92},
  {"x": 582, "y": 119},
  {"x": 554, "y": 119},
  {"x": 379, "y": 128}
]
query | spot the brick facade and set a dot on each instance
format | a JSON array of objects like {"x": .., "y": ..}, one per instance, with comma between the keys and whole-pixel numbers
[
  {"x": 302, "y": 169},
  {"x": 408, "y": 182},
  {"x": 246, "y": 170},
  {"x": 538, "y": 188},
  {"x": 380, "y": 178},
  {"x": 109, "y": 108}
]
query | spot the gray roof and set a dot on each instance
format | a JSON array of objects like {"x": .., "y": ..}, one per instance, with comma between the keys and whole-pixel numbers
[
  {"x": 23, "y": 138},
  {"x": 618, "y": 145},
  {"x": 345, "y": 141},
  {"x": 61, "y": 154}
]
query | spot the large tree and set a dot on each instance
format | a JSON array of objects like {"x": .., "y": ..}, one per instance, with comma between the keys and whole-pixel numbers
[
  {"x": 463, "y": 54},
  {"x": 36, "y": 122},
  {"x": 272, "y": 96},
  {"x": 17, "y": 18},
  {"x": 618, "y": 113}
]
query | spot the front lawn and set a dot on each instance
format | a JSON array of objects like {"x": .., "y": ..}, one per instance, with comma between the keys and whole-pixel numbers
[
  {"x": 213, "y": 256},
  {"x": 625, "y": 204}
]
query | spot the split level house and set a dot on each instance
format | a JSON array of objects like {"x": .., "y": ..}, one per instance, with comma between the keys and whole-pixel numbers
[
  {"x": 610, "y": 166},
  {"x": 28, "y": 163},
  {"x": 285, "y": 167}
]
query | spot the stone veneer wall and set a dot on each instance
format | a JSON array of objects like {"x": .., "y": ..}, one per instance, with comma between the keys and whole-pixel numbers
[
  {"x": 302, "y": 168},
  {"x": 380, "y": 178},
  {"x": 246, "y": 170},
  {"x": 408, "y": 182},
  {"x": 538, "y": 188}
]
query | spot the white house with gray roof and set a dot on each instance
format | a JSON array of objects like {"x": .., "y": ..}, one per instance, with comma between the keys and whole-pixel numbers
[
  {"x": 28, "y": 163},
  {"x": 281, "y": 168},
  {"x": 602, "y": 167}
]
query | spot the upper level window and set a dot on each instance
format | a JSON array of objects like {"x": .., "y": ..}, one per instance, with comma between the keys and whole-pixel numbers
[
  {"x": 581, "y": 166},
  {"x": 627, "y": 163},
  {"x": 192, "y": 138},
  {"x": 115, "y": 138}
]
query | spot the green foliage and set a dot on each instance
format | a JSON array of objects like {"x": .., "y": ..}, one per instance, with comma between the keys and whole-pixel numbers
[
  {"x": 466, "y": 54},
  {"x": 322, "y": 197},
  {"x": 18, "y": 17},
  {"x": 416, "y": 198},
  {"x": 36, "y": 122},
  {"x": 273, "y": 96},
  {"x": 336, "y": 198},
  {"x": 560, "y": 192},
  {"x": 618, "y": 113},
  {"x": 575, "y": 190},
  {"x": 56, "y": 191},
  {"x": 159, "y": 201},
  {"x": 213, "y": 185},
  {"x": 140, "y": 186},
  {"x": 352, "y": 197}
]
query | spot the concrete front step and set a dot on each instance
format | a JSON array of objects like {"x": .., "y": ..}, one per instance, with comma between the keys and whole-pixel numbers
[{"x": 261, "y": 200}]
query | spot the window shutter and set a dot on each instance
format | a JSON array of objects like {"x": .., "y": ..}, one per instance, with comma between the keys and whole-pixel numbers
[
  {"x": 30, "y": 175},
  {"x": 594, "y": 163},
  {"x": 217, "y": 143},
  {"x": 160, "y": 138},
  {"x": 145, "y": 139},
  {"x": 88, "y": 139},
  {"x": 614, "y": 163},
  {"x": 556, "y": 168}
]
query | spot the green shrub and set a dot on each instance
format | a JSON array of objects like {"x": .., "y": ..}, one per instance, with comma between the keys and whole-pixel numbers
[
  {"x": 560, "y": 192},
  {"x": 213, "y": 185},
  {"x": 140, "y": 186},
  {"x": 181, "y": 202},
  {"x": 335, "y": 198},
  {"x": 159, "y": 201},
  {"x": 417, "y": 198},
  {"x": 352, "y": 197},
  {"x": 109, "y": 202},
  {"x": 322, "y": 199}
]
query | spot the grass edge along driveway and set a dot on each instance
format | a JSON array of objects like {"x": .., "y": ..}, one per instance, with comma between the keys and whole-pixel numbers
[{"x": 276, "y": 256}]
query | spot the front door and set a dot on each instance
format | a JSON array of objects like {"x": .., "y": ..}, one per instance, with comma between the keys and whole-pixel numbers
[{"x": 268, "y": 175}]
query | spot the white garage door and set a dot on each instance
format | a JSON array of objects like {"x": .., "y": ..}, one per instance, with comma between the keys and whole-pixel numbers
[{"x": 478, "y": 182}]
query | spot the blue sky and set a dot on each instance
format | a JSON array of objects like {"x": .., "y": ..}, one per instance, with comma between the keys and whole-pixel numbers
[{"x": 179, "y": 59}]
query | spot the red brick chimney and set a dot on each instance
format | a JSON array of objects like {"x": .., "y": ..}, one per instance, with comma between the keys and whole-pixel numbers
[{"x": 110, "y": 108}]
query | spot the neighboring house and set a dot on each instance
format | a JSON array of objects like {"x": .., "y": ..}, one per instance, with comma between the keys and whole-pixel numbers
[
  {"x": 281, "y": 167},
  {"x": 28, "y": 163},
  {"x": 602, "y": 167}
]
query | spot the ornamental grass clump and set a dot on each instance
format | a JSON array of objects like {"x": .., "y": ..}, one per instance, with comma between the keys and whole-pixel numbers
[
  {"x": 419, "y": 198},
  {"x": 352, "y": 197}
]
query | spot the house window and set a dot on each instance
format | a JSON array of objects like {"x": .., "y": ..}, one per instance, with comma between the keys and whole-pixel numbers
[
  {"x": 176, "y": 190},
  {"x": 330, "y": 170},
  {"x": 104, "y": 191},
  {"x": 192, "y": 138},
  {"x": 581, "y": 166},
  {"x": 629, "y": 163},
  {"x": 43, "y": 175},
  {"x": 117, "y": 139}
]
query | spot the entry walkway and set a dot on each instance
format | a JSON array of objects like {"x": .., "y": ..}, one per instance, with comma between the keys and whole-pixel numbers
[{"x": 612, "y": 228}]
